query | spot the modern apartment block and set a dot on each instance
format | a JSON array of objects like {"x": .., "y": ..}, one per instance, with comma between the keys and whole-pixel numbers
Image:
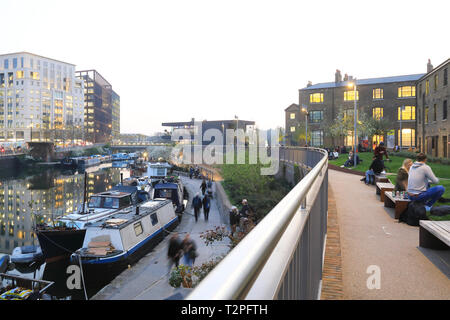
[
  {"x": 392, "y": 99},
  {"x": 99, "y": 114},
  {"x": 40, "y": 100},
  {"x": 433, "y": 126}
]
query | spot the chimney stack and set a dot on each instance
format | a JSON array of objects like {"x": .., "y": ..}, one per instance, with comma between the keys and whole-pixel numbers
[
  {"x": 337, "y": 76},
  {"x": 309, "y": 84},
  {"x": 429, "y": 66}
]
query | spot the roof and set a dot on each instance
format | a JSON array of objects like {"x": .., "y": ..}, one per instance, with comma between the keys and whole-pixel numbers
[
  {"x": 292, "y": 106},
  {"x": 191, "y": 123},
  {"x": 166, "y": 186},
  {"x": 36, "y": 55},
  {"x": 360, "y": 82},
  {"x": 435, "y": 69},
  {"x": 114, "y": 194}
]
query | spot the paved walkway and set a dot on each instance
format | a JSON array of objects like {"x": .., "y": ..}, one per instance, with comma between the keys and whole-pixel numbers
[
  {"x": 149, "y": 278},
  {"x": 369, "y": 235}
]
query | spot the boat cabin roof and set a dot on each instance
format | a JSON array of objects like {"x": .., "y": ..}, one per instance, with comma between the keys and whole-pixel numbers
[
  {"x": 127, "y": 216},
  {"x": 166, "y": 186},
  {"x": 111, "y": 194}
]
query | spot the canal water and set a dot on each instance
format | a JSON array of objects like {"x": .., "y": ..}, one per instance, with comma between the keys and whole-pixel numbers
[{"x": 29, "y": 199}]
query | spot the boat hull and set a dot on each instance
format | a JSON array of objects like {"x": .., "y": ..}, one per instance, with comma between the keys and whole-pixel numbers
[
  {"x": 57, "y": 244},
  {"x": 107, "y": 269}
]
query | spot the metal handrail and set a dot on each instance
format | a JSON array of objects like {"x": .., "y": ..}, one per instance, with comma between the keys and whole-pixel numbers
[{"x": 233, "y": 276}]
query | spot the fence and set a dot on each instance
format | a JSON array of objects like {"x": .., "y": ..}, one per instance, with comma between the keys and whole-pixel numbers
[{"x": 282, "y": 257}]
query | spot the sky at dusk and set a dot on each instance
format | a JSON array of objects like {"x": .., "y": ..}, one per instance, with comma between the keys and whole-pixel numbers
[{"x": 175, "y": 60}]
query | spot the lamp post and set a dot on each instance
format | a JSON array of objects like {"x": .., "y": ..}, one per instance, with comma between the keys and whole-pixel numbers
[
  {"x": 353, "y": 84},
  {"x": 305, "y": 110}
]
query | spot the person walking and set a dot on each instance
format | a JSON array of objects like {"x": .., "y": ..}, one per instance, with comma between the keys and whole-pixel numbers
[
  {"x": 420, "y": 175},
  {"x": 234, "y": 218},
  {"x": 197, "y": 205},
  {"x": 203, "y": 186},
  {"x": 175, "y": 251},
  {"x": 206, "y": 202},
  {"x": 191, "y": 172},
  {"x": 245, "y": 214},
  {"x": 189, "y": 249}
]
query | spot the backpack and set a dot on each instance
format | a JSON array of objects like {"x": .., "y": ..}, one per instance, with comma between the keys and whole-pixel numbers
[
  {"x": 440, "y": 211},
  {"x": 414, "y": 213}
]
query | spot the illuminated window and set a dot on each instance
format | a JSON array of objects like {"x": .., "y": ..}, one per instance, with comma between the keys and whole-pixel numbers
[
  {"x": 436, "y": 81},
  {"x": 34, "y": 75},
  {"x": 348, "y": 141},
  {"x": 350, "y": 95},
  {"x": 316, "y": 97},
  {"x": 292, "y": 115},
  {"x": 377, "y": 113},
  {"x": 377, "y": 93},
  {"x": 376, "y": 139},
  {"x": 292, "y": 129},
  {"x": 408, "y": 137},
  {"x": 427, "y": 87},
  {"x": 20, "y": 75},
  {"x": 408, "y": 113},
  {"x": 406, "y": 91}
]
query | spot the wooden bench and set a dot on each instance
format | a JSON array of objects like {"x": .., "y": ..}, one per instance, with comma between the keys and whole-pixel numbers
[
  {"x": 381, "y": 178},
  {"x": 382, "y": 187},
  {"x": 398, "y": 203},
  {"x": 434, "y": 234}
]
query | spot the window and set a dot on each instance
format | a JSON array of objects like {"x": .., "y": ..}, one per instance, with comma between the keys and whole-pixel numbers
[
  {"x": 444, "y": 110},
  {"x": 408, "y": 113},
  {"x": 292, "y": 115},
  {"x": 408, "y": 137},
  {"x": 445, "y": 77},
  {"x": 377, "y": 93},
  {"x": 292, "y": 129},
  {"x": 138, "y": 228},
  {"x": 426, "y": 114},
  {"x": 377, "y": 113},
  {"x": 317, "y": 138},
  {"x": 315, "y": 116},
  {"x": 20, "y": 75},
  {"x": 434, "y": 112},
  {"x": 407, "y": 91},
  {"x": 350, "y": 95},
  {"x": 316, "y": 98},
  {"x": 15, "y": 63},
  {"x": 427, "y": 87},
  {"x": 436, "y": 81},
  {"x": 154, "y": 218},
  {"x": 6, "y": 64}
]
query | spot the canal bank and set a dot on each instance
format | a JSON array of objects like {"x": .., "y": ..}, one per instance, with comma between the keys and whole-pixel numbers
[{"x": 149, "y": 278}]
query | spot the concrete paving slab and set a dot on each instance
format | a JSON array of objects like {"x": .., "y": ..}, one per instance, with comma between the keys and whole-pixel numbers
[{"x": 371, "y": 237}]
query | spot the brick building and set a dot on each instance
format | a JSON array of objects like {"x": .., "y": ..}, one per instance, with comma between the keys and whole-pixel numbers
[
  {"x": 433, "y": 127},
  {"x": 392, "y": 99}
]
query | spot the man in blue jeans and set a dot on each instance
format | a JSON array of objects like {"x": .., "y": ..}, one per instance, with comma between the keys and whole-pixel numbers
[{"x": 420, "y": 176}]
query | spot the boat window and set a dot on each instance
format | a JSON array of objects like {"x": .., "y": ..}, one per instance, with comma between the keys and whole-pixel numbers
[
  {"x": 154, "y": 218},
  {"x": 164, "y": 193},
  {"x": 125, "y": 202},
  {"x": 138, "y": 228},
  {"x": 95, "y": 202},
  {"x": 111, "y": 203}
]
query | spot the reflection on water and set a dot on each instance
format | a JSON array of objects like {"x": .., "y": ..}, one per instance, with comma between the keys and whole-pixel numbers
[{"x": 41, "y": 198}]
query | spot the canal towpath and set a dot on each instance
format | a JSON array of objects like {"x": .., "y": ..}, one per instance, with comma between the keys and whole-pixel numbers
[{"x": 149, "y": 278}]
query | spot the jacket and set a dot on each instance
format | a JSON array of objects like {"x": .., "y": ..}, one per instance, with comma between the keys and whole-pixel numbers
[{"x": 420, "y": 175}]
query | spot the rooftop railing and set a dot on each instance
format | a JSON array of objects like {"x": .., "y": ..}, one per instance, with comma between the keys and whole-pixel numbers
[{"x": 282, "y": 257}]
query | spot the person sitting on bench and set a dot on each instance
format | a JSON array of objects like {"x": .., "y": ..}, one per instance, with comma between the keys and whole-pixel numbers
[
  {"x": 376, "y": 167},
  {"x": 420, "y": 175},
  {"x": 401, "y": 183}
]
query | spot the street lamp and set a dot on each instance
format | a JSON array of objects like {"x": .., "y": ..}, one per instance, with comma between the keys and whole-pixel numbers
[
  {"x": 353, "y": 84},
  {"x": 305, "y": 110}
]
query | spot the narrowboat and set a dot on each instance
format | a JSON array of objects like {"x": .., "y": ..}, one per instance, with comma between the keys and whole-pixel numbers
[
  {"x": 173, "y": 190},
  {"x": 66, "y": 233},
  {"x": 120, "y": 240}
]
